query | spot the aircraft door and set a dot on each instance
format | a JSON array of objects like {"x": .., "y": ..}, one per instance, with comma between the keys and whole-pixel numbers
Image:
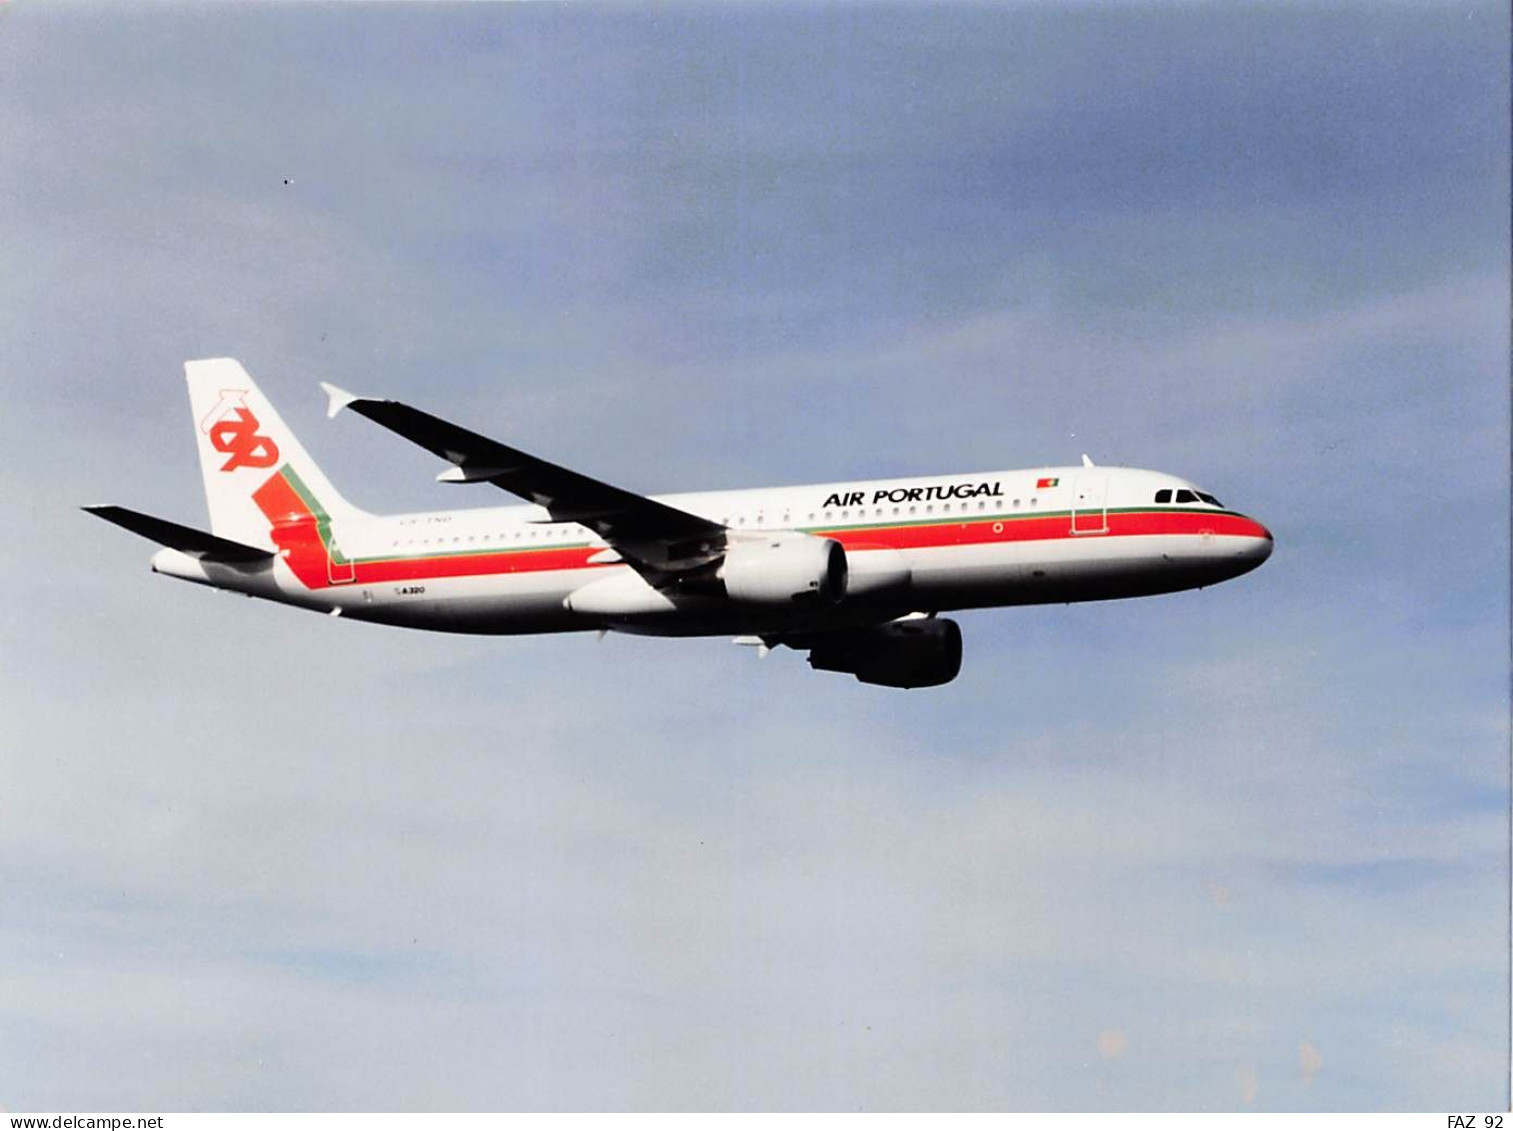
[
  {"x": 1089, "y": 503},
  {"x": 339, "y": 570}
]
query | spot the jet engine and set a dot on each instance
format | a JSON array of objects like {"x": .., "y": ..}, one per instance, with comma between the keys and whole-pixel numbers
[
  {"x": 902, "y": 653},
  {"x": 784, "y": 570}
]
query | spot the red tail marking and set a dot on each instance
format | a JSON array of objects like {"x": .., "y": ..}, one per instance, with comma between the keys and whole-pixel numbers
[{"x": 236, "y": 434}]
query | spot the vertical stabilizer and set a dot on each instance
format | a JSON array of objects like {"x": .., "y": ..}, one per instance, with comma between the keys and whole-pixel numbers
[{"x": 244, "y": 444}]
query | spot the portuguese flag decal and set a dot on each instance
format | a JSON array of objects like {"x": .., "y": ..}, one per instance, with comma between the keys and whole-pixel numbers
[{"x": 1047, "y": 482}]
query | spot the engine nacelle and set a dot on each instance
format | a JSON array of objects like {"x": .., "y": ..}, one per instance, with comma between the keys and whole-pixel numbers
[
  {"x": 785, "y": 569},
  {"x": 903, "y": 653}
]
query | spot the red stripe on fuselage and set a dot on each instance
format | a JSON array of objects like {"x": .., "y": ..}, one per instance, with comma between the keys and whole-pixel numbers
[
  {"x": 296, "y": 532},
  {"x": 477, "y": 564},
  {"x": 1043, "y": 529}
]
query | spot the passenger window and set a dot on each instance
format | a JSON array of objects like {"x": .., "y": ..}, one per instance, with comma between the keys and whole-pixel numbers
[
  {"x": 1186, "y": 496},
  {"x": 1164, "y": 495}
]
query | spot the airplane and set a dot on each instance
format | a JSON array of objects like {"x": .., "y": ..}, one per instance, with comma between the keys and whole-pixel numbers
[{"x": 856, "y": 574}]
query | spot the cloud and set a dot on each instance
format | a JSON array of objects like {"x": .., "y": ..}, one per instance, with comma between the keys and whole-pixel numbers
[
  {"x": 1248, "y": 1084},
  {"x": 1310, "y": 1060},
  {"x": 1112, "y": 1044},
  {"x": 1218, "y": 894}
]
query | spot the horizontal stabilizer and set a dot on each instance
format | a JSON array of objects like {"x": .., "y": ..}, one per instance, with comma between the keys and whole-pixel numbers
[{"x": 185, "y": 539}]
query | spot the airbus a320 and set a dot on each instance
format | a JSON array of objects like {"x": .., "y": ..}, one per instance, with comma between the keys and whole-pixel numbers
[{"x": 855, "y": 574}]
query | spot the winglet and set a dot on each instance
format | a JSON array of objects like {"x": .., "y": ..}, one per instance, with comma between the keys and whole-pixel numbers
[
  {"x": 1087, "y": 462},
  {"x": 340, "y": 398}
]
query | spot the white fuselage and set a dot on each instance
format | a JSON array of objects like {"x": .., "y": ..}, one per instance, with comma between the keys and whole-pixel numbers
[{"x": 912, "y": 545}]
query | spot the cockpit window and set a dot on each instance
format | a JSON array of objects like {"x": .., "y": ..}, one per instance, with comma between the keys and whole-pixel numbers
[
  {"x": 1164, "y": 495},
  {"x": 1209, "y": 499},
  {"x": 1186, "y": 496}
]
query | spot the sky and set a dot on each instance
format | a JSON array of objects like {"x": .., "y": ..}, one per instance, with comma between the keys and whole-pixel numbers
[{"x": 1238, "y": 849}]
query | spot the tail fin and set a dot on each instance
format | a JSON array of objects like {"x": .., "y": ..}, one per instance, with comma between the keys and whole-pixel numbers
[{"x": 244, "y": 446}]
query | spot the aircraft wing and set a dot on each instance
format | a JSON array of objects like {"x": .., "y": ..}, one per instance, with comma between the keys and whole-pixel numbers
[{"x": 655, "y": 538}]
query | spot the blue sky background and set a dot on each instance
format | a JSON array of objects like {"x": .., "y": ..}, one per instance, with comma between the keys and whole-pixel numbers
[{"x": 1245, "y": 847}]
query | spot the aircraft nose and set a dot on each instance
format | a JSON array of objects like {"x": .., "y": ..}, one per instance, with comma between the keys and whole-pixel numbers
[{"x": 1259, "y": 544}]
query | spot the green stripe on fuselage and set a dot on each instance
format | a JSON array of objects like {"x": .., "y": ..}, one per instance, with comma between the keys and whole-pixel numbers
[{"x": 322, "y": 519}]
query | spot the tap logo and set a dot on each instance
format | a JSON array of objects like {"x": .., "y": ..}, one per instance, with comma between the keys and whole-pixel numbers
[{"x": 234, "y": 432}]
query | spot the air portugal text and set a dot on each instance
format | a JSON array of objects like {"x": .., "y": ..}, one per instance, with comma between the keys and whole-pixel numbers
[{"x": 933, "y": 493}]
